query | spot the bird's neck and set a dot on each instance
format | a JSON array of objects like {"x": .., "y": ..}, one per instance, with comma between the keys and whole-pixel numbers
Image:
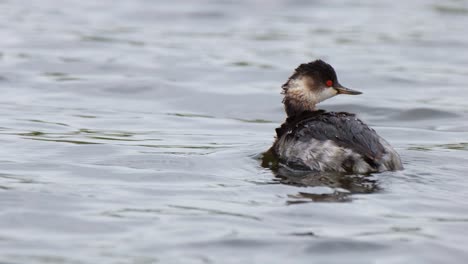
[{"x": 297, "y": 102}]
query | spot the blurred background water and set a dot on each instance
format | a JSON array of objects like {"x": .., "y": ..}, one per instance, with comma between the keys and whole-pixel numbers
[{"x": 131, "y": 131}]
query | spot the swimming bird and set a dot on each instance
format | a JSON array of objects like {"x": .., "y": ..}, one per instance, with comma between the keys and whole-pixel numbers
[{"x": 320, "y": 141}]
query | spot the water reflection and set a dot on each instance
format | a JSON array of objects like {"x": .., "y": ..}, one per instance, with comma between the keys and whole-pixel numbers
[{"x": 342, "y": 185}]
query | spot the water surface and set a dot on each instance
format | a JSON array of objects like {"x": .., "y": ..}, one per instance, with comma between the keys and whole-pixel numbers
[{"x": 132, "y": 131}]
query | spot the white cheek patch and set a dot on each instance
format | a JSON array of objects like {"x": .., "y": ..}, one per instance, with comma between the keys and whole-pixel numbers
[
  {"x": 299, "y": 91},
  {"x": 326, "y": 93}
]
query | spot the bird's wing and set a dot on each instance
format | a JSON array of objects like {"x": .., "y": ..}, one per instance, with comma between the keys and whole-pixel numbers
[{"x": 342, "y": 128}]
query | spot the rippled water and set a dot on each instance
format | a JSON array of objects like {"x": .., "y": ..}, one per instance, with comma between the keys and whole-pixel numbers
[{"x": 132, "y": 131}]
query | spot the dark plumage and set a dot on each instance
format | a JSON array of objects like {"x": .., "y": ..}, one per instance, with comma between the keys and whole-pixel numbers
[{"x": 344, "y": 129}]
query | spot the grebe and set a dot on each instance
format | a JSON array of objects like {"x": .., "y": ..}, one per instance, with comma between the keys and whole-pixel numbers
[{"x": 316, "y": 140}]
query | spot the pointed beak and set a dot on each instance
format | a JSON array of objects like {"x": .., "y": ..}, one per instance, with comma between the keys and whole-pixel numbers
[{"x": 343, "y": 90}]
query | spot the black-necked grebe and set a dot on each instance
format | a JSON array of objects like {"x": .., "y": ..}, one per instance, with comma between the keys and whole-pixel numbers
[{"x": 316, "y": 140}]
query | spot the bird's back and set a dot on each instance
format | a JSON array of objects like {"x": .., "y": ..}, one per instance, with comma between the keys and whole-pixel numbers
[{"x": 331, "y": 141}]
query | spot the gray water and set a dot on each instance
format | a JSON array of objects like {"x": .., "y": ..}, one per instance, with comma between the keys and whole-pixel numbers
[{"x": 132, "y": 131}]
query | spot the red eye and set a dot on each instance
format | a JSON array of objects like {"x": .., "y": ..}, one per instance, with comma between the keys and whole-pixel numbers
[{"x": 329, "y": 83}]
